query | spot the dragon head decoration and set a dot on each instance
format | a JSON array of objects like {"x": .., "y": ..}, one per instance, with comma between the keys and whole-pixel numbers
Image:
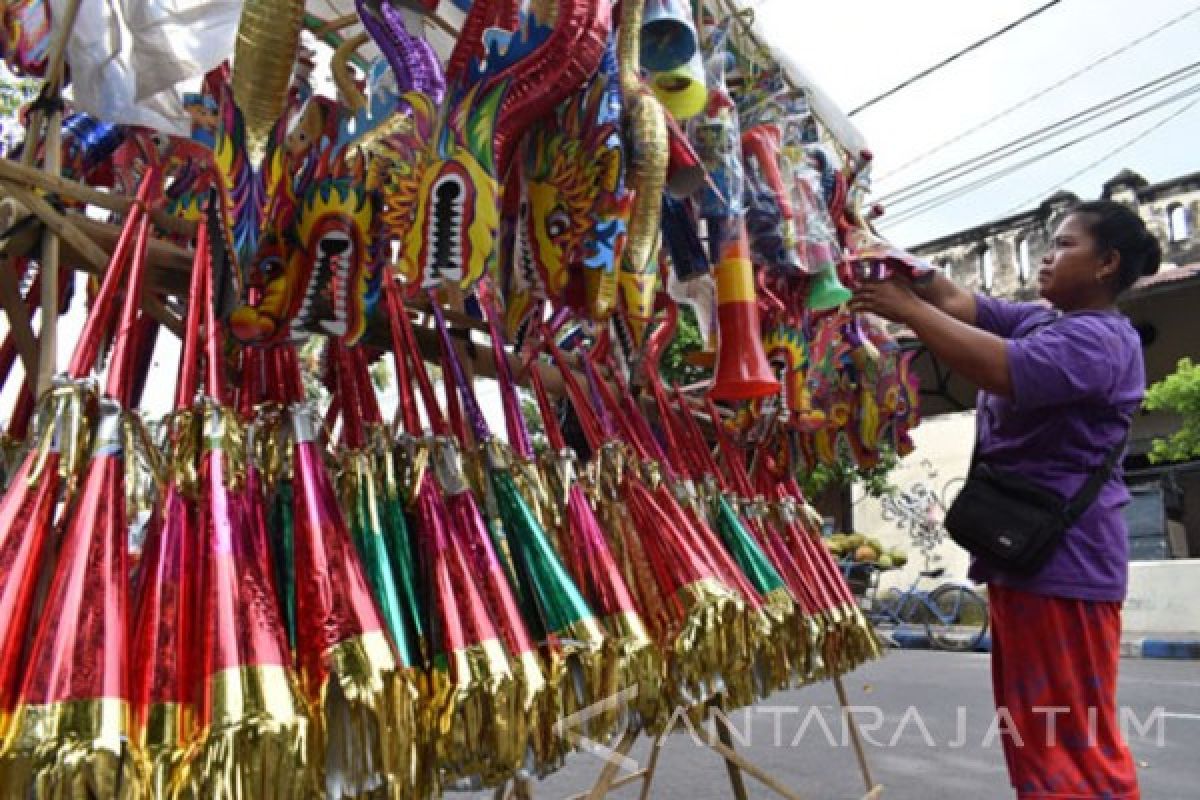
[
  {"x": 319, "y": 274},
  {"x": 574, "y": 213},
  {"x": 441, "y": 197},
  {"x": 442, "y": 194}
]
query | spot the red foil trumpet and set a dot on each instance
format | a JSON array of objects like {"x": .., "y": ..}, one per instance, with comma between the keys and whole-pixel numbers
[
  {"x": 70, "y": 727},
  {"x": 161, "y": 641},
  {"x": 361, "y": 694}
]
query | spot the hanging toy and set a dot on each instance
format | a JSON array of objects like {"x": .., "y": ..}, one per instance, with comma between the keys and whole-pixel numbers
[
  {"x": 442, "y": 193},
  {"x": 649, "y": 152}
]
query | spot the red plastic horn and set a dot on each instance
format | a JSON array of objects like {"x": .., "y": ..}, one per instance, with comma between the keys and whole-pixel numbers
[{"x": 743, "y": 371}]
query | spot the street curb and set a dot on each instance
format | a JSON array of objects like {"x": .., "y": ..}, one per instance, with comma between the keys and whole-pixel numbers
[
  {"x": 914, "y": 638},
  {"x": 1174, "y": 649}
]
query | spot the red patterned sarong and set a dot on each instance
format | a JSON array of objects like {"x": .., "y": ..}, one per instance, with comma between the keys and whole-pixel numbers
[{"x": 1054, "y": 672}]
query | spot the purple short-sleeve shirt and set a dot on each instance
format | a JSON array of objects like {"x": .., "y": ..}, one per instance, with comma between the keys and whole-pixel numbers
[{"x": 1077, "y": 379}]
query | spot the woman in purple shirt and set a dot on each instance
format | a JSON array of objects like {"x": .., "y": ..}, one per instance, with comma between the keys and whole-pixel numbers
[{"x": 1059, "y": 387}]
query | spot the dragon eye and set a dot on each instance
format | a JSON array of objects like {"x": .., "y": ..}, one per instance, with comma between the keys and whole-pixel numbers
[{"x": 557, "y": 224}]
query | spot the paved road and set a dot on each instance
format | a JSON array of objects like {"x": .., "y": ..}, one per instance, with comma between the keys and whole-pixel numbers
[{"x": 929, "y": 714}]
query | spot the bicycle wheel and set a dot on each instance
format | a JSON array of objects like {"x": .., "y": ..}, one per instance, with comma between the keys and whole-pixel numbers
[{"x": 957, "y": 619}]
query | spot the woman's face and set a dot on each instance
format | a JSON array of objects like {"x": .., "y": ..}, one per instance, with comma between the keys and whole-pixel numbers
[{"x": 1074, "y": 270}]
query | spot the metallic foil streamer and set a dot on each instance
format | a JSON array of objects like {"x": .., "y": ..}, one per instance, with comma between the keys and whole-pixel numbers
[
  {"x": 363, "y": 504},
  {"x": 26, "y": 522},
  {"x": 473, "y": 541},
  {"x": 348, "y": 668},
  {"x": 252, "y": 729},
  {"x": 161, "y": 641},
  {"x": 630, "y": 651},
  {"x": 398, "y": 538},
  {"x": 70, "y": 730},
  {"x": 472, "y": 694},
  {"x": 777, "y": 611},
  {"x": 573, "y": 648}
]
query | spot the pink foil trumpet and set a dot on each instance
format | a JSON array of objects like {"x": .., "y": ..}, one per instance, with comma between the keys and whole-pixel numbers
[
  {"x": 695, "y": 616},
  {"x": 476, "y": 699},
  {"x": 361, "y": 694},
  {"x": 165, "y": 591},
  {"x": 69, "y": 730},
  {"x": 251, "y": 726},
  {"x": 745, "y": 627},
  {"x": 588, "y": 556}
]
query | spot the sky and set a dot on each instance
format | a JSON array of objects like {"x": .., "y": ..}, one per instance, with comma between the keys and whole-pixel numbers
[{"x": 856, "y": 49}]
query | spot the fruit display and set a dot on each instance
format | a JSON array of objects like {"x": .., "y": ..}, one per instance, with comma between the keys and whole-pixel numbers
[{"x": 863, "y": 549}]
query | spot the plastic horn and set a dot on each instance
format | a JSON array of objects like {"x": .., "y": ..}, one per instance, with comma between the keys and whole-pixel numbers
[
  {"x": 826, "y": 291},
  {"x": 668, "y": 35},
  {"x": 682, "y": 90},
  {"x": 742, "y": 370}
]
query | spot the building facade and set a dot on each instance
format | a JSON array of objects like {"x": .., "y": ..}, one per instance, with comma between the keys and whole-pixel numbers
[{"x": 1001, "y": 257}]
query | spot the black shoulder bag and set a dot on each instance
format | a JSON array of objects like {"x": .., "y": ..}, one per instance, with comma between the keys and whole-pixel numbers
[{"x": 1012, "y": 523}]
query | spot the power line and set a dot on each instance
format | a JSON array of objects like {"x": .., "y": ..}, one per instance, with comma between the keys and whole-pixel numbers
[
  {"x": 969, "y": 48},
  {"x": 1031, "y": 139},
  {"x": 1038, "y": 95},
  {"x": 953, "y": 194},
  {"x": 1119, "y": 149}
]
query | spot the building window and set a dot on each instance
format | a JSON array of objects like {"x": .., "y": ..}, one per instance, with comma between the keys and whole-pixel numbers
[
  {"x": 1177, "y": 223},
  {"x": 987, "y": 268},
  {"x": 1024, "y": 264}
]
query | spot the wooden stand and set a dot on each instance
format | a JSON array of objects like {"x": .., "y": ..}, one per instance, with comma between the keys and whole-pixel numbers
[{"x": 736, "y": 764}]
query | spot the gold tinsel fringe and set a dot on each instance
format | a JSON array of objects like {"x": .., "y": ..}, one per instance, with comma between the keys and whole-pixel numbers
[
  {"x": 256, "y": 746},
  {"x": 474, "y": 715},
  {"x": 368, "y": 733},
  {"x": 75, "y": 750}
]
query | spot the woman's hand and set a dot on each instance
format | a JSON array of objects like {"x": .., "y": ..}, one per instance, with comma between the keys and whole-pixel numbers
[{"x": 891, "y": 299}]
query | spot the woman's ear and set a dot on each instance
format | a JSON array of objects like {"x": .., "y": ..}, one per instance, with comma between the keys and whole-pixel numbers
[{"x": 1110, "y": 267}]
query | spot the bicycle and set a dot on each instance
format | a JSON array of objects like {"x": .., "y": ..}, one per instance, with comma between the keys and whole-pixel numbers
[{"x": 955, "y": 617}]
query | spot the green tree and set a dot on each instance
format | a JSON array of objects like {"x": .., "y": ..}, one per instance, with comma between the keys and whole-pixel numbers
[
  {"x": 1179, "y": 392},
  {"x": 875, "y": 480},
  {"x": 675, "y": 367}
]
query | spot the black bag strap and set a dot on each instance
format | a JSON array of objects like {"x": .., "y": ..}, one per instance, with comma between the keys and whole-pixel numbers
[{"x": 1087, "y": 493}]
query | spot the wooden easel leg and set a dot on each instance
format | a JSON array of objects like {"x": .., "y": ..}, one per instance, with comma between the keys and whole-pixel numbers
[
  {"x": 873, "y": 791},
  {"x": 652, "y": 767},
  {"x": 736, "y": 783},
  {"x": 731, "y": 756},
  {"x": 608, "y": 775}
]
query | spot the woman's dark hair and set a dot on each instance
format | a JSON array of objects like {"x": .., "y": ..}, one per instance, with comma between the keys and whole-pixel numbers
[{"x": 1115, "y": 226}]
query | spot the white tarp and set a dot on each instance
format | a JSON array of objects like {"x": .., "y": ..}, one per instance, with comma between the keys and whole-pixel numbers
[{"x": 128, "y": 56}]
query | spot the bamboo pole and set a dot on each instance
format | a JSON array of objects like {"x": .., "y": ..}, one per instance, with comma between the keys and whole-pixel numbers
[
  {"x": 19, "y": 322},
  {"x": 95, "y": 259},
  {"x": 840, "y": 688},
  {"x": 14, "y": 173},
  {"x": 48, "y": 338}
]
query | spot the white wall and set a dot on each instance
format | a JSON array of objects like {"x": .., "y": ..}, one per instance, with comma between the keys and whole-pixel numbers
[
  {"x": 928, "y": 479},
  {"x": 1164, "y": 596}
]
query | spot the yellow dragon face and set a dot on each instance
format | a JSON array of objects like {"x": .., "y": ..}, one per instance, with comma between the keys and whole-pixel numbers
[
  {"x": 787, "y": 353},
  {"x": 318, "y": 276},
  {"x": 455, "y": 215},
  {"x": 440, "y": 195}
]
